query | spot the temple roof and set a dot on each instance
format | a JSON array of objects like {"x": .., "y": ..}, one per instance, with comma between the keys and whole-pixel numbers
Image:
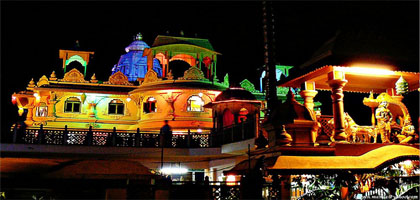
[
  {"x": 358, "y": 80},
  {"x": 167, "y": 40},
  {"x": 137, "y": 45}
]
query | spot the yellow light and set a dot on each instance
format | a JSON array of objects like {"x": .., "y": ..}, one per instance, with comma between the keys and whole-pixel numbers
[
  {"x": 230, "y": 180},
  {"x": 128, "y": 99},
  {"x": 199, "y": 130},
  {"x": 368, "y": 69},
  {"x": 200, "y": 94},
  {"x": 20, "y": 111}
]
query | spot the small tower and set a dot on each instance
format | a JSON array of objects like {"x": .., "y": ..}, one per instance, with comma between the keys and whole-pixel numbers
[{"x": 69, "y": 56}]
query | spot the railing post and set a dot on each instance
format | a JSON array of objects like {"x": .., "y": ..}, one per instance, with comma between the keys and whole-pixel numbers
[
  {"x": 114, "y": 136},
  {"x": 89, "y": 136},
  {"x": 41, "y": 134},
  {"x": 65, "y": 135},
  {"x": 189, "y": 138},
  {"x": 137, "y": 138}
]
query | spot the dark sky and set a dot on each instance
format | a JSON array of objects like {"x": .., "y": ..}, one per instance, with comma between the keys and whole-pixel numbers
[{"x": 33, "y": 32}]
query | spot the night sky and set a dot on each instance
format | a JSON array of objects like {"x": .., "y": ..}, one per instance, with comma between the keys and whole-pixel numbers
[{"x": 33, "y": 32}]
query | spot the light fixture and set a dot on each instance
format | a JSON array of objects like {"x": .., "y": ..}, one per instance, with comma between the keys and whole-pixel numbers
[
  {"x": 367, "y": 69},
  {"x": 128, "y": 99},
  {"x": 175, "y": 170},
  {"x": 200, "y": 94}
]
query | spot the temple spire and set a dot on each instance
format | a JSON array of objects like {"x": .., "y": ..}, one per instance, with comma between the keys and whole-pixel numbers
[{"x": 139, "y": 36}]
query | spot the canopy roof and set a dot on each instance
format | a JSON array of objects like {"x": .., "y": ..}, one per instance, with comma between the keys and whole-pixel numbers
[
  {"x": 359, "y": 79},
  {"x": 175, "y": 42}
]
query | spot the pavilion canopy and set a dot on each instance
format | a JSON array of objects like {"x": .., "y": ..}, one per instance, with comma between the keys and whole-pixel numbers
[{"x": 359, "y": 79}]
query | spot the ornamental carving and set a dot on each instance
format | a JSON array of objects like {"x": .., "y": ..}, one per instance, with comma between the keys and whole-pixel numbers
[
  {"x": 193, "y": 73},
  {"x": 118, "y": 79},
  {"x": 43, "y": 81},
  {"x": 74, "y": 76},
  {"x": 151, "y": 76},
  {"x": 226, "y": 80},
  {"x": 247, "y": 85}
]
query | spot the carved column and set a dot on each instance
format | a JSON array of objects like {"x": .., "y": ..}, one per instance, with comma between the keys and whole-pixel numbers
[
  {"x": 29, "y": 115},
  {"x": 338, "y": 106},
  {"x": 308, "y": 98}
]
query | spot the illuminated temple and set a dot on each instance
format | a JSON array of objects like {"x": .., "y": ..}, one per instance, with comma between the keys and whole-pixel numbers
[{"x": 80, "y": 131}]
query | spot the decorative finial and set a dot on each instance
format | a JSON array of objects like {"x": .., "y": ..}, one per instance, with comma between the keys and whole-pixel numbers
[
  {"x": 93, "y": 79},
  {"x": 53, "y": 77},
  {"x": 401, "y": 86},
  {"x": 139, "y": 36},
  {"x": 31, "y": 83},
  {"x": 285, "y": 138},
  {"x": 371, "y": 94}
]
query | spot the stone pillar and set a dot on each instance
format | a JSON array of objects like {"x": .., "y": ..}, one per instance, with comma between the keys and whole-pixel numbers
[{"x": 337, "y": 81}]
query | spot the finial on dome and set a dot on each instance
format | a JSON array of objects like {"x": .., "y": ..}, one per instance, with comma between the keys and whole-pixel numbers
[{"x": 139, "y": 36}]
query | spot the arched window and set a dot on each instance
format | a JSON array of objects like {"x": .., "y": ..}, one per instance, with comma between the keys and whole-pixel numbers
[
  {"x": 150, "y": 105},
  {"x": 116, "y": 107},
  {"x": 195, "y": 103},
  {"x": 72, "y": 105},
  {"x": 42, "y": 110}
]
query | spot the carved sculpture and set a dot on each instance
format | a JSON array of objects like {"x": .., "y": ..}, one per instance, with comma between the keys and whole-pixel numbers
[
  {"x": 384, "y": 117},
  {"x": 42, "y": 81},
  {"x": 193, "y": 73},
  {"x": 118, "y": 79},
  {"x": 74, "y": 76},
  {"x": 151, "y": 76},
  {"x": 356, "y": 133}
]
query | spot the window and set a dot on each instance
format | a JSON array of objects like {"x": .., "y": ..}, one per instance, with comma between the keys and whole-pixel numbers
[
  {"x": 116, "y": 107},
  {"x": 242, "y": 115},
  {"x": 42, "y": 110},
  {"x": 72, "y": 105},
  {"x": 150, "y": 105},
  {"x": 195, "y": 103}
]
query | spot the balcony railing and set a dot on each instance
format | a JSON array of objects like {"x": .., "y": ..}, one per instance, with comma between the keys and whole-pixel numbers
[{"x": 92, "y": 137}]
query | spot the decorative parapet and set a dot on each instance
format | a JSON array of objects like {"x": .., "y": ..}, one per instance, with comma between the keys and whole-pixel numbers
[
  {"x": 247, "y": 85},
  {"x": 193, "y": 73},
  {"x": 226, "y": 80},
  {"x": 118, "y": 79},
  {"x": 150, "y": 76},
  {"x": 42, "y": 81},
  {"x": 74, "y": 76}
]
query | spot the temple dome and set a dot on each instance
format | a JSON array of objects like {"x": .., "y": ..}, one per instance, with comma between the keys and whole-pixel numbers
[
  {"x": 235, "y": 94},
  {"x": 137, "y": 45}
]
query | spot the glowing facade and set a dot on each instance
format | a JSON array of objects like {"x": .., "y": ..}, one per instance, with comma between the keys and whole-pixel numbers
[{"x": 123, "y": 103}]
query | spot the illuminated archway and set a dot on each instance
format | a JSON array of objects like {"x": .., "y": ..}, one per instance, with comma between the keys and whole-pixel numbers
[{"x": 78, "y": 59}]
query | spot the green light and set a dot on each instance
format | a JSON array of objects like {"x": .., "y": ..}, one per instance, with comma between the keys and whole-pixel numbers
[{"x": 78, "y": 59}]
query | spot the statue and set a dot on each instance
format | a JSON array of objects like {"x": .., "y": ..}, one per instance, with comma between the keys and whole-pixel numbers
[
  {"x": 407, "y": 132},
  {"x": 384, "y": 117}
]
